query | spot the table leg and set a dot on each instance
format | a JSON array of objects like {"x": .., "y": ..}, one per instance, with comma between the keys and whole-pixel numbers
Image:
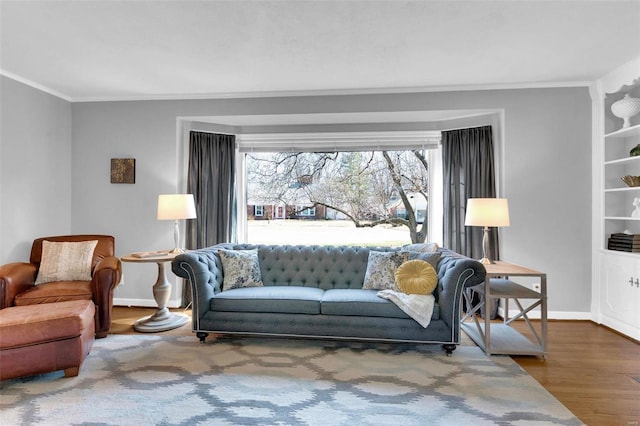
[
  {"x": 487, "y": 316},
  {"x": 543, "y": 313},
  {"x": 162, "y": 319}
]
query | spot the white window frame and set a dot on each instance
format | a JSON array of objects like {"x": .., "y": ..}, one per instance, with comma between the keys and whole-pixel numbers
[{"x": 260, "y": 208}]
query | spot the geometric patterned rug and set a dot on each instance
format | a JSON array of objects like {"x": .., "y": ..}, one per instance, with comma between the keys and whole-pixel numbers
[{"x": 175, "y": 380}]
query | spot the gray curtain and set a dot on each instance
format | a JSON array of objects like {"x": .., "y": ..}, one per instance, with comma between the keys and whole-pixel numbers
[
  {"x": 469, "y": 172},
  {"x": 211, "y": 178}
]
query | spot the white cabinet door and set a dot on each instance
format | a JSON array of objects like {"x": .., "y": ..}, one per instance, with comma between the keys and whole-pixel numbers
[{"x": 620, "y": 293}]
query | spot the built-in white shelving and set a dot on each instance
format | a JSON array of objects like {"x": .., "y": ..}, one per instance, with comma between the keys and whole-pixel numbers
[{"x": 616, "y": 274}]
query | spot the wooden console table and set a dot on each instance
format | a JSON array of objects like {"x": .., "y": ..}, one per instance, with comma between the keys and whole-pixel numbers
[{"x": 496, "y": 338}]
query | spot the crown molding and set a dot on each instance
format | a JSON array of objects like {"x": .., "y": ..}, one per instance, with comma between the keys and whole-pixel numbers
[
  {"x": 35, "y": 85},
  {"x": 298, "y": 93},
  {"x": 338, "y": 92}
]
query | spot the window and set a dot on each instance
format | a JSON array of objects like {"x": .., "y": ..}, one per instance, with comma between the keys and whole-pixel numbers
[
  {"x": 258, "y": 211},
  {"x": 302, "y": 211},
  {"x": 358, "y": 168}
]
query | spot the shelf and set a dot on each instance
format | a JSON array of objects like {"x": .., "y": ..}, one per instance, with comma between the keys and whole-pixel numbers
[
  {"x": 501, "y": 288},
  {"x": 625, "y": 133},
  {"x": 504, "y": 340},
  {"x": 621, "y": 218},
  {"x": 623, "y": 161},
  {"x": 623, "y": 253},
  {"x": 622, "y": 189}
]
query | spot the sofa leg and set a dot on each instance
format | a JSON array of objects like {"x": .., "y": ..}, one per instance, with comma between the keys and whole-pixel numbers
[
  {"x": 449, "y": 348},
  {"x": 201, "y": 335},
  {"x": 101, "y": 334}
]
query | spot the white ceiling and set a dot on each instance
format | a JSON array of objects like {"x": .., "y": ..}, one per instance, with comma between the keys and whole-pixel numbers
[{"x": 106, "y": 50}]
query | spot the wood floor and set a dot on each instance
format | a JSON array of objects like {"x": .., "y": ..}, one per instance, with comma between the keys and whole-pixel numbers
[{"x": 592, "y": 370}]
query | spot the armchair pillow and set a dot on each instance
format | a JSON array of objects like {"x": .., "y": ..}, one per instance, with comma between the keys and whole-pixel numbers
[{"x": 66, "y": 261}]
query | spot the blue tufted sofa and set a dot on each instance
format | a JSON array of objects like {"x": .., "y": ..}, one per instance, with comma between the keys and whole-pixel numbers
[{"x": 316, "y": 291}]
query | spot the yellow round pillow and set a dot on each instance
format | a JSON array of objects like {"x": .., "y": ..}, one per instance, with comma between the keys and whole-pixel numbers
[{"x": 416, "y": 277}]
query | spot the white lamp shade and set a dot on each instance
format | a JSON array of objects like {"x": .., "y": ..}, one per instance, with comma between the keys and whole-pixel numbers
[
  {"x": 487, "y": 212},
  {"x": 176, "y": 206}
]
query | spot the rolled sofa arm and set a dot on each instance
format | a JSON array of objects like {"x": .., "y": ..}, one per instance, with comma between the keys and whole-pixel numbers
[
  {"x": 14, "y": 279},
  {"x": 203, "y": 269},
  {"x": 455, "y": 273}
]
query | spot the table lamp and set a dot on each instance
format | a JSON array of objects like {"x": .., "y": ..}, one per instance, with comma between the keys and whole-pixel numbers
[
  {"x": 487, "y": 212},
  {"x": 175, "y": 207}
]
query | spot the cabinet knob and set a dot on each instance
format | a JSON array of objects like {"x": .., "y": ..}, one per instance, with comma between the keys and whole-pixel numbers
[
  {"x": 631, "y": 281},
  {"x": 637, "y": 283}
]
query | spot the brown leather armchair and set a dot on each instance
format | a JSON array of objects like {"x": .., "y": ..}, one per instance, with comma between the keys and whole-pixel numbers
[{"x": 17, "y": 280}]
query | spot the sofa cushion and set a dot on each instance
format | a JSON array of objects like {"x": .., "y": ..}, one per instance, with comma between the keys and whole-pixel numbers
[
  {"x": 240, "y": 269},
  {"x": 270, "y": 299},
  {"x": 60, "y": 291},
  {"x": 366, "y": 303},
  {"x": 381, "y": 267},
  {"x": 432, "y": 258},
  {"x": 421, "y": 247},
  {"x": 358, "y": 302}
]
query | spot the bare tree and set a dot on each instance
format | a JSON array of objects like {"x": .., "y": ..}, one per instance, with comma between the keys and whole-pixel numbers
[{"x": 369, "y": 188}]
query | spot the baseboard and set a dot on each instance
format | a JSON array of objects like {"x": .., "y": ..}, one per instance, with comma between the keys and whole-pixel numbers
[{"x": 119, "y": 301}]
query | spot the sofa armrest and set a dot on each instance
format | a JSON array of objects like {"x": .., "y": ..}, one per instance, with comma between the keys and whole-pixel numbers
[
  {"x": 203, "y": 269},
  {"x": 455, "y": 273},
  {"x": 15, "y": 278},
  {"x": 106, "y": 277}
]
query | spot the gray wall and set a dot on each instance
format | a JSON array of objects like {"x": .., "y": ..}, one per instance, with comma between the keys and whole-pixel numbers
[
  {"x": 547, "y": 176},
  {"x": 35, "y": 168}
]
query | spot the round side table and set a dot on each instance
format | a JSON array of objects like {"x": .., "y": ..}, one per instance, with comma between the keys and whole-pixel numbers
[{"x": 162, "y": 319}]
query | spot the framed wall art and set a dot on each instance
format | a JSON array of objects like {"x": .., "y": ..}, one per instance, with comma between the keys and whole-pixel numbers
[{"x": 123, "y": 170}]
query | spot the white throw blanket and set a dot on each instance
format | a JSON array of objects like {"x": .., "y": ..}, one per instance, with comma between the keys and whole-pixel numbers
[{"x": 417, "y": 306}]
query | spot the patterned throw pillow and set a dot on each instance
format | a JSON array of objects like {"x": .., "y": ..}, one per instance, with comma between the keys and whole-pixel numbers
[
  {"x": 66, "y": 261},
  {"x": 416, "y": 277},
  {"x": 381, "y": 268},
  {"x": 240, "y": 268}
]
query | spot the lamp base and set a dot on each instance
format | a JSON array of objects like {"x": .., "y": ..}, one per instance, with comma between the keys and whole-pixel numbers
[
  {"x": 176, "y": 239},
  {"x": 485, "y": 247}
]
